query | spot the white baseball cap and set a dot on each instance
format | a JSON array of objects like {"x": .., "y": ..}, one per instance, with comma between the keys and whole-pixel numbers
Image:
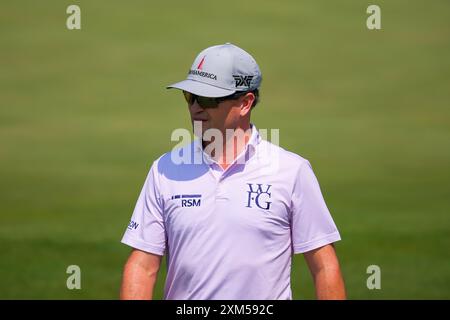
[{"x": 220, "y": 71}]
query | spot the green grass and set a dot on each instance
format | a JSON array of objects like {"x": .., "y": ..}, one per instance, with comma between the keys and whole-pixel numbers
[{"x": 84, "y": 113}]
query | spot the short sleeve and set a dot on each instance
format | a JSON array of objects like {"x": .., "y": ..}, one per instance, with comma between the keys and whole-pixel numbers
[
  {"x": 146, "y": 230},
  {"x": 311, "y": 223}
]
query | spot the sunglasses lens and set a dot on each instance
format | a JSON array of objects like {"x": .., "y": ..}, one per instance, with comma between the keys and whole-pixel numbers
[
  {"x": 206, "y": 103},
  {"x": 203, "y": 102},
  {"x": 189, "y": 97}
]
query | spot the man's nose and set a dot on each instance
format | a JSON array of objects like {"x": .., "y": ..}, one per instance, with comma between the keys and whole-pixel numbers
[{"x": 195, "y": 107}]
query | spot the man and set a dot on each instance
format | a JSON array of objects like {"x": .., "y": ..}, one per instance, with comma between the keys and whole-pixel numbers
[{"x": 230, "y": 223}]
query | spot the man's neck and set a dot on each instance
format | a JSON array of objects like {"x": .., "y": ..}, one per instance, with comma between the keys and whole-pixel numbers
[{"x": 234, "y": 142}]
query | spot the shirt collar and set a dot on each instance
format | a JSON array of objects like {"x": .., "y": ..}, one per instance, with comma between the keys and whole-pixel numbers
[{"x": 248, "y": 152}]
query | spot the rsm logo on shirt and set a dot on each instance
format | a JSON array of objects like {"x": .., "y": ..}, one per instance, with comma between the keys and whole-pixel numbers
[
  {"x": 189, "y": 200},
  {"x": 259, "y": 196}
]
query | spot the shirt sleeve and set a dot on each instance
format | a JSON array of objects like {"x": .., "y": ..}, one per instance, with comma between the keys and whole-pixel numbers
[
  {"x": 146, "y": 230},
  {"x": 312, "y": 225}
]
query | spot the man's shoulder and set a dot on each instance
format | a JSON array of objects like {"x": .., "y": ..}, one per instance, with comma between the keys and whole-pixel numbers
[
  {"x": 285, "y": 157},
  {"x": 173, "y": 164},
  {"x": 177, "y": 153}
]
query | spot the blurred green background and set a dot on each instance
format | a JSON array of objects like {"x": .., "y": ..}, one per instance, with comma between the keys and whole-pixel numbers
[{"x": 84, "y": 113}]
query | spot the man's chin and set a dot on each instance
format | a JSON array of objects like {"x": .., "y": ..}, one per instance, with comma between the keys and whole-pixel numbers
[{"x": 199, "y": 128}]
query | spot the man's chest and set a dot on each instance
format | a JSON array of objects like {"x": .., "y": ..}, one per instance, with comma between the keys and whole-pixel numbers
[{"x": 239, "y": 203}]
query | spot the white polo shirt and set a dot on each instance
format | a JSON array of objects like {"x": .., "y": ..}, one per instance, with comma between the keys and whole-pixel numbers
[{"x": 230, "y": 234}]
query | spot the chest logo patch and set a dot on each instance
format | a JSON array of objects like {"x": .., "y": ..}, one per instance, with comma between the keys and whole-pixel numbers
[
  {"x": 258, "y": 194},
  {"x": 189, "y": 200}
]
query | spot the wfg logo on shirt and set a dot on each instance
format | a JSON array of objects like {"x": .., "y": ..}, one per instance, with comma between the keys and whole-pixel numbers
[
  {"x": 259, "y": 196},
  {"x": 189, "y": 200}
]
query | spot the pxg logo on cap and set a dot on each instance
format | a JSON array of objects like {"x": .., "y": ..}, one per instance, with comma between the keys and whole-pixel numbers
[{"x": 220, "y": 71}]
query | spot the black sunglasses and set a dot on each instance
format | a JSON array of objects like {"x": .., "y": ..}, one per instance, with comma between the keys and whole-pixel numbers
[{"x": 206, "y": 102}]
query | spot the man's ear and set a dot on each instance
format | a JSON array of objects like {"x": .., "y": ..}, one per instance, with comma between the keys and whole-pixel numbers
[{"x": 247, "y": 102}]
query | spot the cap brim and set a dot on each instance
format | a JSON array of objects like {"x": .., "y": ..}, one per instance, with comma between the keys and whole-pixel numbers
[{"x": 201, "y": 89}]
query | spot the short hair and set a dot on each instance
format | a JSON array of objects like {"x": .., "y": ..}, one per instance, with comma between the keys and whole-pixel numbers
[
  {"x": 239, "y": 94},
  {"x": 256, "y": 94}
]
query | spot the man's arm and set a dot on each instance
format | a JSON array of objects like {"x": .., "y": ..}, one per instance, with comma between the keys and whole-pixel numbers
[
  {"x": 324, "y": 266},
  {"x": 139, "y": 276}
]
